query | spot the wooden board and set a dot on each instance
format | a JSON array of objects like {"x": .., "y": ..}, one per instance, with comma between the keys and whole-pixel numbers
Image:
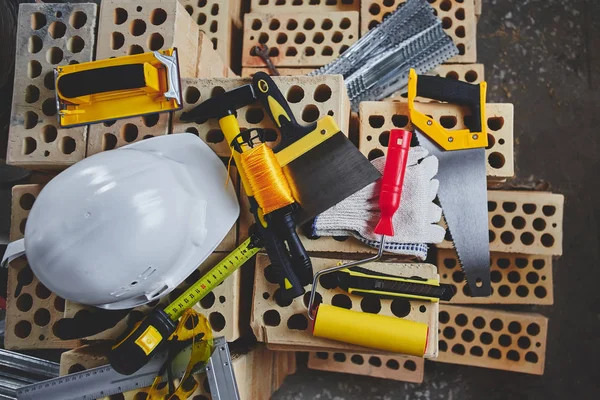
[
  {"x": 378, "y": 117},
  {"x": 31, "y": 309},
  {"x": 457, "y": 16},
  {"x": 299, "y": 39},
  {"x": 524, "y": 222},
  {"x": 496, "y": 339},
  {"x": 396, "y": 367},
  {"x": 48, "y": 35},
  {"x": 516, "y": 279},
  {"x": 288, "y": 324}
]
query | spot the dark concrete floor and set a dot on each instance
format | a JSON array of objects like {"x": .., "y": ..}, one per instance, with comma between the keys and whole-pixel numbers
[{"x": 543, "y": 56}]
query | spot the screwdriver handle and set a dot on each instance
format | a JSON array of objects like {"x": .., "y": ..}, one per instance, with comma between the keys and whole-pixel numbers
[{"x": 393, "y": 179}]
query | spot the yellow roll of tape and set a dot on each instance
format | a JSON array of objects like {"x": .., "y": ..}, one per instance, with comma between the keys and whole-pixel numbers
[{"x": 371, "y": 330}]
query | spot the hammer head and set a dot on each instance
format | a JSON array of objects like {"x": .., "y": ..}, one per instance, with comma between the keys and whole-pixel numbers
[{"x": 221, "y": 105}]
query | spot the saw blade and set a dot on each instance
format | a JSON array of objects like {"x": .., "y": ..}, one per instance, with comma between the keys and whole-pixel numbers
[{"x": 463, "y": 197}]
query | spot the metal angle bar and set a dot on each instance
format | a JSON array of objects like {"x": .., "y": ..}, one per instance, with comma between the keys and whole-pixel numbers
[
  {"x": 221, "y": 378},
  {"x": 23, "y": 362},
  {"x": 16, "y": 377}
]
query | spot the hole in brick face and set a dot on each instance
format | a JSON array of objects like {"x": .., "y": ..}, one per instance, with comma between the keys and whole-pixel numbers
[
  {"x": 117, "y": 40},
  {"x": 460, "y": 14},
  {"x": 291, "y": 52},
  {"x": 390, "y": 3},
  {"x": 214, "y": 9},
  {"x": 373, "y": 24},
  {"x": 76, "y": 368},
  {"x": 41, "y": 317},
  {"x": 291, "y": 25},
  {"x": 518, "y": 222},
  {"x": 297, "y": 322},
  {"x": 492, "y": 205},
  {"x": 26, "y": 202},
  {"x": 479, "y": 322},
  {"x": 263, "y": 38},
  {"x": 309, "y": 24},
  {"x": 34, "y": 69},
  {"x": 54, "y": 55},
  {"x": 337, "y": 37},
  {"x": 214, "y": 26},
  {"x": 533, "y": 329},
  {"x": 375, "y": 153},
  {"x": 217, "y": 321},
  {"x": 42, "y": 292},
  {"x": 443, "y": 346},
  {"x": 318, "y": 299},
  {"x": 522, "y": 291},
  {"x": 38, "y": 21},
  {"x": 549, "y": 210},
  {"x": 327, "y": 51},
  {"x": 328, "y": 281},
  {"x": 504, "y": 291},
  {"x": 449, "y": 332},
  {"x": 75, "y": 44},
  {"x": 357, "y": 359},
  {"x": 270, "y": 135},
  {"x": 374, "y": 9},
  {"x": 370, "y": 304},
  {"x": 32, "y": 94},
  {"x": 202, "y": 3},
  {"x": 327, "y": 24},
  {"x": 208, "y": 301},
  {"x": 376, "y": 121},
  {"x": 150, "y": 120},
  {"x": 158, "y": 16},
  {"x": 339, "y": 357},
  {"x": 375, "y": 361},
  {"x": 527, "y": 238},
  {"x": 471, "y": 76},
  {"x": 400, "y": 307},
  {"x": 59, "y": 304},
  {"x": 343, "y": 49},
  {"x": 498, "y": 221},
  {"x": 120, "y": 16},
  {"x": 24, "y": 302},
  {"x": 476, "y": 351},
  {"x": 273, "y": 52},
  {"x": 486, "y": 338},
  {"x": 491, "y": 141},
  {"x": 29, "y": 145},
  {"x": 109, "y": 141},
  {"x": 318, "y": 38},
  {"x": 281, "y": 38},
  {"x": 35, "y": 44},
  {"x": 135, "y": 49},
  {"x": 547, "y": 240},
  {"x": 460, "y": 31},
  {"x": 129, "y": 132},
  {"x": 30, "y": 120},
  {"x": 341, "y": 300},
  {"x": 496, "y": 276},
  {"x": 299, "y": 38},
  {"x": 137, "y": 27},
  {"x": 254, "y": 115},
  {"x": 384, "y": 138},
  {"x": 256, "y": 24},
  {"x": 295, "y": 94},
  {"x": 446, "y": 23},
  {"x": 22, "y": 329},
  {"x": 201, "y": 19},
  {"x": 496, "y": 324},
  {"x": 514, "y": 327},
  {"x": 78, "y": 19},
  {"x": 461, "y": 49},
  {"x": 392, "y": 364},
  {"x": 57, "y": 30},
  {"x": 67, "y": 145},
  {"x": 539, "y": 224},
  {"x": 458, "y": 349},
  {"x": 49, "y": 133},
  {"x": 280, "y": 300},
  {"x": 310, "y": 113},
  {"x": 345, "y": 23},
  {"x": 504, "y": 340},
  {"x": 400, "y": 121},
  {"x": 448, "y": 121},
  {"x": 272, "y": 318},
  {"x": 191, "y": 95},
  {"x": 507, "y": 237},
  {"x": 322, "y": 93},
  {"x": 495, "y": 123},
  {"x": 156, "y": 41},
  {"x": 494, "y": 353},
  {"x": 509, "y": 206}
]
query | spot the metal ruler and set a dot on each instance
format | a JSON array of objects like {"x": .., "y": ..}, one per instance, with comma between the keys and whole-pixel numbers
[{"x": 104, "y": 381}]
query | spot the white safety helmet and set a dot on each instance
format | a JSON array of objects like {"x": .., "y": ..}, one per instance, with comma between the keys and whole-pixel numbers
[{"x": 125, "y": 227}]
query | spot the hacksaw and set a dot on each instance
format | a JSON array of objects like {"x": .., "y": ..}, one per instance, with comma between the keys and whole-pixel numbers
[
  {"x": 461, "y": 173},
  {"x": 104, "y": 381}
]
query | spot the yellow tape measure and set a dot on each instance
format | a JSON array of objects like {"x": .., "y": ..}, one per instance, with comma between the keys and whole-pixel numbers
[{"x": 211, "y": 280}]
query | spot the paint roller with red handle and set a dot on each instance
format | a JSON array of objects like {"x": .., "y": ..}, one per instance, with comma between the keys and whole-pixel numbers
[{"x": 392, "y": 180}]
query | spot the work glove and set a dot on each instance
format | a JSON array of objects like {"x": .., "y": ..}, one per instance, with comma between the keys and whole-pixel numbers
[{"x": 415, "y": 222}]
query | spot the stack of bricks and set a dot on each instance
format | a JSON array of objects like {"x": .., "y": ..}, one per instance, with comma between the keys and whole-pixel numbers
[{"x": 301, "y": 35}]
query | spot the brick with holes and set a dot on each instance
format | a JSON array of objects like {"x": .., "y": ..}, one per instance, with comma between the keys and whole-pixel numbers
[
  {"x": 130, "y": 27},
  {"x": 377, "y": 118},
  {"x": 457, "y": 16},
  {"x": 280, "y": 6},
  {"x": 303, "y": 39},
  {"x": 512, "y": 341},
  {"x": 285, "y": 325},
  {"x": 47, "y": 36},
  {"x": 524, "y": 222},
  {"x": 31, "y": 309},
  {"x": 220, "y": 21},
  {"x": 516, "y": 278},
  {"x": 396, "y": 367}
]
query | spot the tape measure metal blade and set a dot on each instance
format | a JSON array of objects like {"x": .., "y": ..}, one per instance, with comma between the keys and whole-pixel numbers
[
  {"x": 211, "y": 279},
  {"x": 93, "y": 383}
]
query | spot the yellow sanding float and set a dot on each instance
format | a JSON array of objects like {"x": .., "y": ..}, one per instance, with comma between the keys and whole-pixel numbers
[{"x": 118, "y": 87}]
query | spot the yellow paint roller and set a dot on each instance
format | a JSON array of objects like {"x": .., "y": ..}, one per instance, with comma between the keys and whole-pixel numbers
[{"x": 364, "y": 329}]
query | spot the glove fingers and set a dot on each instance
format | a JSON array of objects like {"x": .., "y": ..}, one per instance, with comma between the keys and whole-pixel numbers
[
  {"x": 436, "y": 233},
  {"x": 415, "y": 154},
  {"x": 430, "y": 166}
]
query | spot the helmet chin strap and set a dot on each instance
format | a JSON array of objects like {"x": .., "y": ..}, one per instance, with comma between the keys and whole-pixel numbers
[{"x": 13, "y": 251}]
